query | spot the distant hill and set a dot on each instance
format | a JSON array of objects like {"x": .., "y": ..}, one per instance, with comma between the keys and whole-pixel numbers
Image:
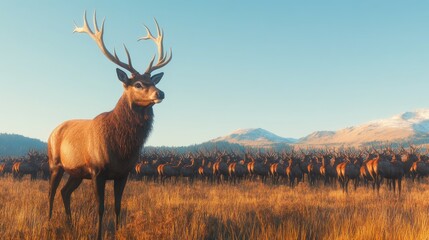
[
  {"x": 406, "y": 127},
  {"x": 18, "y": 145},
  {"x": 254, "y": 137},
  {"x": 317, "y": 136}
]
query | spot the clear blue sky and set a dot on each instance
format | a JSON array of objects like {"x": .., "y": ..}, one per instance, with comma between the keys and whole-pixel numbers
[{"x": 291, "y": 67}]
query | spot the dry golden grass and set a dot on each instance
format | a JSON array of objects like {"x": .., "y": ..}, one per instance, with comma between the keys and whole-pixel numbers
[{"x": 202, "y": 211}]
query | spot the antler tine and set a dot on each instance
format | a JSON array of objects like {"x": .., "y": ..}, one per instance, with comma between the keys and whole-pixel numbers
[
  {"x": 84, "y": 28},
  {"x": 128, "y": 57},
  {"x": 158, "y": 40},
  {"x": 162, "y": 59},
  {"x": 97, "y": 36},
  {"x": 95, "y": 23},
  {"x": 158, "y": 31}
]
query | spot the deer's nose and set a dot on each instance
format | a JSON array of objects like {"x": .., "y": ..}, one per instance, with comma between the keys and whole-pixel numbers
[{"x": 160, "y": 95}]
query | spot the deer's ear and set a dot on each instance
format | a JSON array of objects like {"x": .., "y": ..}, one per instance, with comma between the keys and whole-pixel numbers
[
  {"x": 122, "y": 76},
  {"x": 156, "y": 78}
]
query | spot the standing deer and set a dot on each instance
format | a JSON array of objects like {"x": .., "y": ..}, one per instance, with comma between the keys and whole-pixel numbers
[
  {"x": 19, "y": 169},
  {"x": 108, "y": 146},
  {"x": 293, "y": 171},
  {"x": 206, "y": 169},
  {"x": 348, "y": 170}
]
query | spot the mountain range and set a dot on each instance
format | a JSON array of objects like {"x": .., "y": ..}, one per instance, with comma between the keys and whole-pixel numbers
[{"x": 406, "y": 127}]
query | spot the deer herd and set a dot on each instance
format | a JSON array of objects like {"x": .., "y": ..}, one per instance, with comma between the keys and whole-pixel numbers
[
  {"x": 323, "y": 167},
  {"x": 370, "y": 167}
]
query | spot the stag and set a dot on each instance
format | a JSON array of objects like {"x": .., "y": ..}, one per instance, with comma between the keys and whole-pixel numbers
[
  {"x": 346, "y": 171},
  {"x": 419, "y": 169},
  {"x": 305, "y": 162},
  {"x": 365, "y": 174},
  {"x": 7, "y": 166},
  {"x": 250, "y": 165},
  {"x": 261, "y": 167},
  {"x": 108, "y": 146},
  {"x": 386, "y": 165},
  {"x": 313, "y": 170},
  {"x": 169, "y": 171},
  {"x": 294, "y": 171},
  {"x": 30, "y": 165},
  {"x": 372, "y": 167},
  {"x": 328, "y": 168},
  {"x": 206, "y": 170},
  {"x": 190, "y": 171},
  {"x": 19, "y": 169},
  {"x": 392, "y": 170},
  {"x": 237, "y": 170},
  {"x": 149, "y": 170},
  {"x": 220, "y": 168},
  {"x": 146, "y": 169},
  {"x": 369, "y": 168},
  {"x": 278, "y": 170},
  {"x": 135, "y": 173},
  {"x": 408, "y": 158}
]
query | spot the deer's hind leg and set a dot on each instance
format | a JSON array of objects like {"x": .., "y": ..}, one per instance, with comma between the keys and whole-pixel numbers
[
  {"x": 54, "y": 181},
  {"x": 66, "y": 191}
]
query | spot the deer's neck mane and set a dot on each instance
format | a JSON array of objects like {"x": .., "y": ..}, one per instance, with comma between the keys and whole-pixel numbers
[{"x": 126, "y": 128}]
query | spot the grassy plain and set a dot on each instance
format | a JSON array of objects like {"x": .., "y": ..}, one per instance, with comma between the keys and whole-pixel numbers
[{"x": 249, "y": 210}]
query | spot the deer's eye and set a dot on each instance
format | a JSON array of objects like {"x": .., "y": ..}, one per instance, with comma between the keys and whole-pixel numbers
[{"x": 138, "y": 85}]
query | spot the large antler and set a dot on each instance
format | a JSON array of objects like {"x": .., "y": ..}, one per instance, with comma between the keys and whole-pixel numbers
[
  {"x": 97, "y": 36},
  {"x": 162, "y": 59}
]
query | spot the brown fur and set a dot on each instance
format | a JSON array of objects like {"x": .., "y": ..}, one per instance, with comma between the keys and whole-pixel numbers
[
  {"x": 104, "y": 148},
  {"x": 347, "y": 171},
  {"x": 419, "y": 169},
  {"x": 108, "y": 144},
  {"x": 293, "y": 171}
]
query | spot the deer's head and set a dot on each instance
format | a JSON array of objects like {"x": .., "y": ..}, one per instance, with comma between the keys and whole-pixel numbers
[{"x": 139, "y": 88}]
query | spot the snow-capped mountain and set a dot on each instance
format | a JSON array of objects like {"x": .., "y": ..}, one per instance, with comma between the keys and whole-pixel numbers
[
  {"x": 253, "y": 137},
  {"x": 407, "y": 126}
]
